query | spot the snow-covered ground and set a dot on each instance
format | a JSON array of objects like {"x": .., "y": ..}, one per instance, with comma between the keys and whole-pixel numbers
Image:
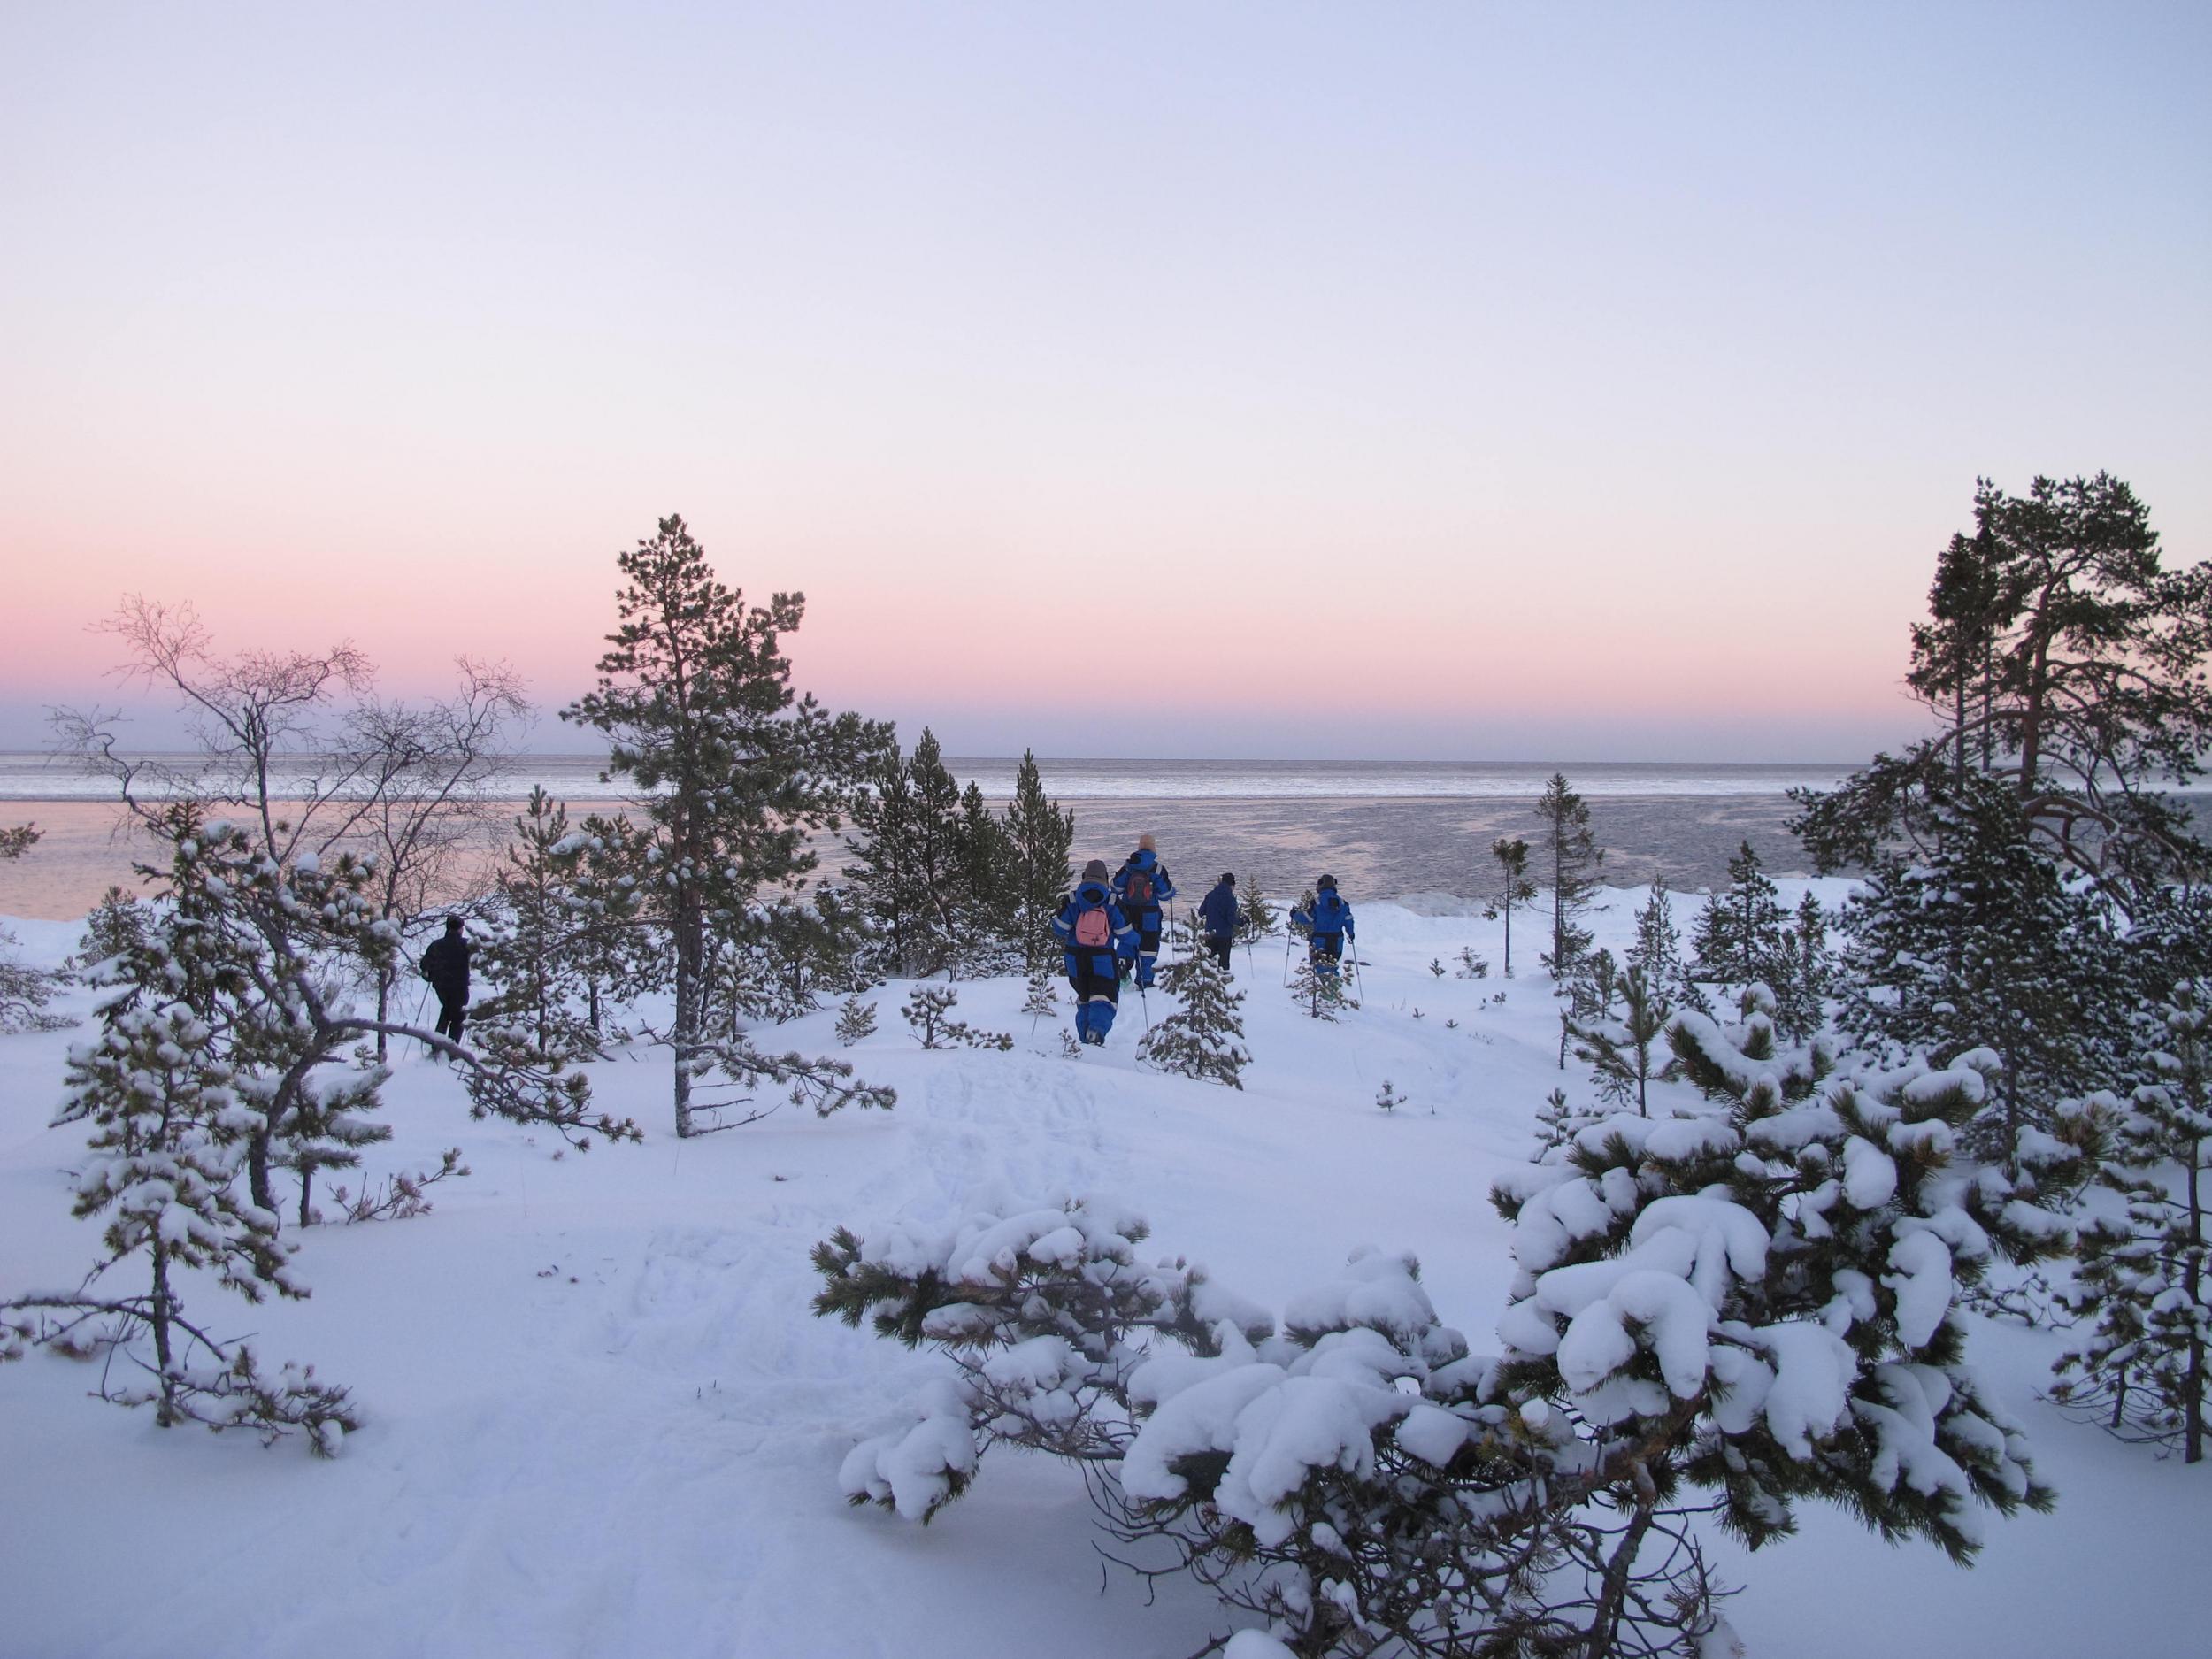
[{"x": 602, "y": 1420}]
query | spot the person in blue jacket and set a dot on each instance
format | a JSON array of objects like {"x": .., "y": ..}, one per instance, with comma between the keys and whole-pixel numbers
[
  {"x": 1219, "y": 911},
  {"x": 1142, "y": 888},
  {"x": 1330, "y": 925},
  {"x": 1095, "y": 937}
]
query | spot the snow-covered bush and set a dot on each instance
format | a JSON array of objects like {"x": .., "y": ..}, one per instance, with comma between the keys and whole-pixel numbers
[{"x": 1726, "y": 1314}]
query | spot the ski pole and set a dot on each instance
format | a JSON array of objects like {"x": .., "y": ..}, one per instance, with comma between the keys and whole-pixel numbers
[
  {"x": 1144, "y": 1002},
  {"x": 1359, "y": 979},
  {"x": 1286, "y": 955}
]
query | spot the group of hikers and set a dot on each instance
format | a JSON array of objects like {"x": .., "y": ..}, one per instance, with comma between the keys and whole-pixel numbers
[
  {"x": 1108, "y": 927},
  {"x": 1109, "y": 930}
]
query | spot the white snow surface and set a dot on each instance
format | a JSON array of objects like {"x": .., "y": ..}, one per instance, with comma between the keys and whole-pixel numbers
[{"x": 599, "y": 1417}]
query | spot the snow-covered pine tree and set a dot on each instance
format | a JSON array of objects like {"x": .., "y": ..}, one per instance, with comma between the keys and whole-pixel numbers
[
  {"x": 1805, "y": 978},
  {"x": 1623, "y": 1050},
  {"x": 178, "y": 1090},
  {"x": 1586, "y": 998},
  {"x": 1557, "y": 1122},
  {"x": 115, "y": 925},
  {"x": 1973, "y": 939},
  {"x": 1743, "y": 934},
  {"x": 732, "y": 772},
  {"x": 537, "y": 957},
  {"x": 1256, "y": 914},
  {"x": 1757, "y": 1307},
  {"x": 1657, "y": 950},
  {"x": 1039, "y": 837},
  {"x": 989, "y": 899},
  {"x": 937, "y": 855},
  {"x": 1515, "y": 889},
  {"x": 1204, "y": 1037},
  {"x": 882, "y": 868},
  {"x": 2143, "y": 1286},
  {"x": 618, "y": 957},
  {"x": 324, "y": 1125},
  {"x": 1570, "y": 857}
]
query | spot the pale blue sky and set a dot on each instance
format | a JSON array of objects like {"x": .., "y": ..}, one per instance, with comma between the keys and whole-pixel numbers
[{"x": 1461, "y": 380}]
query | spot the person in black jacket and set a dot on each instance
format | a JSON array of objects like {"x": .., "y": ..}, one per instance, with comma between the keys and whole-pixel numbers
[
  {"x": 1218, "y": 910},
  {"x": 445, "y": 965}
]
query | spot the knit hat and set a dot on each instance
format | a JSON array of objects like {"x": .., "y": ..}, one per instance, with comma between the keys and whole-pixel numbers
[
  {"x": 1146, "y": 844},
  {"x": 1094, "y": 871},
  {"x": 1228, "y": 879},
  {"x": 1326, "y": 881}
]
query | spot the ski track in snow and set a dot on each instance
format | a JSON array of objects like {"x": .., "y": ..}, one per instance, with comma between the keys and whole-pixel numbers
[{"x": 601, "y": 1420}]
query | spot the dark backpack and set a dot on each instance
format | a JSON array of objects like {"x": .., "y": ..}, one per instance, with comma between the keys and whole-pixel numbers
[{"x": 1137, "y": 889}]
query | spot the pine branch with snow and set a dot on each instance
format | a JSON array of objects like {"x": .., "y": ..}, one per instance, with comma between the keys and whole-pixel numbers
[{"x": 928, "y": 1011}]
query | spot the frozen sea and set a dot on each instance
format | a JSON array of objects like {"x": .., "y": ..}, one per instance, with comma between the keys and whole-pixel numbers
[{"x": 1417, "y": 830}]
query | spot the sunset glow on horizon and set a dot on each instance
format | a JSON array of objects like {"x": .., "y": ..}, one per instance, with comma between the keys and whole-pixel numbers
[{"x": 1253, "y": 381}]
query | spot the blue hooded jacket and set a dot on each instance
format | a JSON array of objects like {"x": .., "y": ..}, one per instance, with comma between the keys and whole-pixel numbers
[
  {"x": 1331, "y": 916},
  {"x": 1218, "y": 910}
]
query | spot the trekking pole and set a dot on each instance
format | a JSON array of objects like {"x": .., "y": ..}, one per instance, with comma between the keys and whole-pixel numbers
[
  {"x": 421, "y": 997},
  {"x": 1286, "y": 955},
  {"x": 1359, "y": 979},
  {"x": 1144, "y": 1002}
]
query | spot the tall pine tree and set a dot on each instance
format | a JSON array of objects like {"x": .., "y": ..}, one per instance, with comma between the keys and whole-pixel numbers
[
  {"x": 1039, "y": 837},
  {"x": 731, "y": 772},
  {"x": 1569, "y": 854}
]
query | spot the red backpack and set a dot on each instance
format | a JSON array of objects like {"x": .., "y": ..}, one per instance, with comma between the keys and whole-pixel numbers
[
  {"x": 1137, "y": 889},
  {"x": 1093, "y": 930}
]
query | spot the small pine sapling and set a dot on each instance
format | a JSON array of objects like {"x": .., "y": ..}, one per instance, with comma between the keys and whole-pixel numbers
[
  {"x": 855, "y": 1021},
  {"x": 1436, "y": 967},
  {"x": 1041, "y": 994},
  {"x": 1203, "y": 1037},
  {"x": 1387, "y": 1096},
  {"x": 1623, "y": 1052},
  {"x": 1323, "y": 995},
  {"x": 1471, "y": 965},
  {"x": 928, "y": 1010},
  {"x": 1257, "y": 915}
]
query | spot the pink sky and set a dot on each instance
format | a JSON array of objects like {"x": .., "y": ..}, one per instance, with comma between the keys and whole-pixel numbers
[{"x": 1276, "y": 382}]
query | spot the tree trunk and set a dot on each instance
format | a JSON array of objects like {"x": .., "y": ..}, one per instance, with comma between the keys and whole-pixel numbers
[
  {"x": 385, "y": 979},
  {"x": 685, "y": 1037},
  {"x": 258, "y": 1170},
  {"x": 166, "y": 1414},
  {"x": 2192, "y": 1282}
]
